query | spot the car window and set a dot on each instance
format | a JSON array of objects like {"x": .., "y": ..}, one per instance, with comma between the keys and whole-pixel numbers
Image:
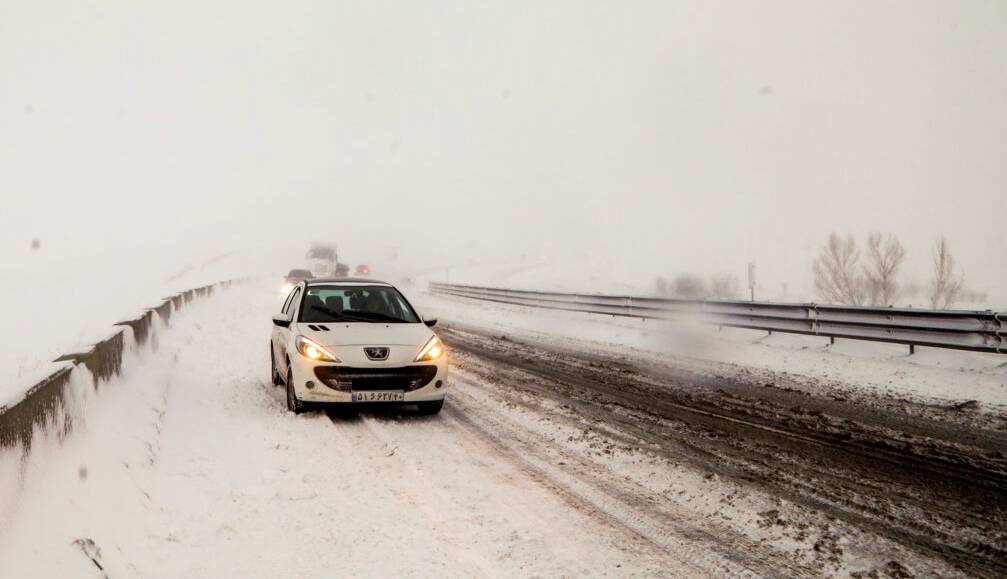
[
  {"x": 289, "y": 306},
  {"x": 363, "y": 303}
]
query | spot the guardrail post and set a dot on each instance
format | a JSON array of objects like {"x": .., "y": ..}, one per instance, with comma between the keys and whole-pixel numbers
[
  {"x": 1001, "y": 332},
  {"x": 812, "y": 313}
]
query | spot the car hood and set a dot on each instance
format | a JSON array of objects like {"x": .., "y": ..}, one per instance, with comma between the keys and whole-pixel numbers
[
  {"x": 364, "y": 334},
  {"x": 347, "y": 341}
]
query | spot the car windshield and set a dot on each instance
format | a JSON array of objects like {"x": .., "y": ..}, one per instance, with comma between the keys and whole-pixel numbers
[{"x": 358, "y": 303}]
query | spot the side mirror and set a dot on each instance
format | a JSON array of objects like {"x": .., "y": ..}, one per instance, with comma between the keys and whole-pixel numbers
[
  {"x": 281, "y": 320},
  {"x": 431, "y": 322}
]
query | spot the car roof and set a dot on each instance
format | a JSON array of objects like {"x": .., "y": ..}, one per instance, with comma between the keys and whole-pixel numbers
[{"x": 345, "y": 280}]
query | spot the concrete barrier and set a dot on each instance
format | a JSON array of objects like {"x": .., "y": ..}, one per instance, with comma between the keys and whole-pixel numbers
[
  {"x": 41, "y": 406},
  {"x": 44, "y": 406}
]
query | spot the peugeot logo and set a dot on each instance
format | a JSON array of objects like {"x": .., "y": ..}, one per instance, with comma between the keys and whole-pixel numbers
[{"x": 376, "y": 353}]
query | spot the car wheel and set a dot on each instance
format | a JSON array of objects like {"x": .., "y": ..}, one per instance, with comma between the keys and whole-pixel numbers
[
  {"x": 277, "y": 380},
  {"x": 293, "y": 403},
  {"x": 431, "y": 407}
]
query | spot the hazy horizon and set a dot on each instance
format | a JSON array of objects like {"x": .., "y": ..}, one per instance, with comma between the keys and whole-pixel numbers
[{"x": 661, "y": 137}]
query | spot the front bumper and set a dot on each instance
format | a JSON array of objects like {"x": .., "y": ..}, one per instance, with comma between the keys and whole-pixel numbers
[{"x": 335, "y": 383}]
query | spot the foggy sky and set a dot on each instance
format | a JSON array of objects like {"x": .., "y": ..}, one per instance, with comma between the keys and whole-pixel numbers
[{"x": 668, "y": 135}]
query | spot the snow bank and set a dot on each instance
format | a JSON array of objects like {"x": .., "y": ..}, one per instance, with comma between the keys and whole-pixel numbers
[
  {"x": 38, "y": 422},
  {"x": 70, "y": 495}
]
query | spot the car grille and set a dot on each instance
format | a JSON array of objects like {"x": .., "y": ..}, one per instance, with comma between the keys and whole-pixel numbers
[{"x": 345, "y": 379}]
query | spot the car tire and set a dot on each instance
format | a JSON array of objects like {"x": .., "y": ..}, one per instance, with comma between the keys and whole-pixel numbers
[
  {"x": 431, "y": 407},
  {"x": 277, "y": 380},
  {"x": 293, "y": 403}
]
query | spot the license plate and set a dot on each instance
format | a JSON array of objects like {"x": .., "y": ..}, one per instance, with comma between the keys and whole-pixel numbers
[{"x": 392, "y": 396}]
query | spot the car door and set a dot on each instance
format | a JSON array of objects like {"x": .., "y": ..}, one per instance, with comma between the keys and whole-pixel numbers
[
  {"x": 284, "y": 335},
  {"x": 280, "y": 335}
]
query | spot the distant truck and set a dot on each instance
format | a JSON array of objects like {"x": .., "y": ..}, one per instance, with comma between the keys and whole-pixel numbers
[{"x": 323, "y": 259}]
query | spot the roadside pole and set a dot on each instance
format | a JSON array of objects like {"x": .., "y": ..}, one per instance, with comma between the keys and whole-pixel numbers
[{"x": 751, "y": 280}]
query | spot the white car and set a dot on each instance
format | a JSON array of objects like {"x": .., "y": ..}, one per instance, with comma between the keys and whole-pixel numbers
[{"x": 347, "y": 340}]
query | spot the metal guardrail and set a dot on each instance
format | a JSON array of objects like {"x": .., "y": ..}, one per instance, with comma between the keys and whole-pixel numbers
[{"x": 981, "y": 331}]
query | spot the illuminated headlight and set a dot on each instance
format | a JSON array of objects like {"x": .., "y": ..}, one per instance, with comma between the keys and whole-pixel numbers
[
  {"x": 431, "y": 351},
  {"x": 287, "y": 288},
  {"x": 314, "y": 351}
]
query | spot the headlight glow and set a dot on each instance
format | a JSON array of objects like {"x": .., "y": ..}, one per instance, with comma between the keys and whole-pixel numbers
[
  {"x": 287, "y": 288},
  {"x": 313, "y": 351},
  {"x": 432, "y": 350}
]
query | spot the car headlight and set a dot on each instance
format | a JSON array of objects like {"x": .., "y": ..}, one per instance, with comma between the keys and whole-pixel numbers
[
  {"x": 314, "y": 351},
  {"x": 431, "y": 351},
  {"x": 286, "y": 289}
]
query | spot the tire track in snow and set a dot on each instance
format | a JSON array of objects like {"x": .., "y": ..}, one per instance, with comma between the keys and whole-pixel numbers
[
  {"x": 641, "y": 510},
  {"x": 377, "y": 444},
  {"x": 488, "y": 500},
  {"x": 641, "y": 516}
]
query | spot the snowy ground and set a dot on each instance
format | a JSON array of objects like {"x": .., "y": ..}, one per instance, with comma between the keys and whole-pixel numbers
[{"x": 189, "y": 465}]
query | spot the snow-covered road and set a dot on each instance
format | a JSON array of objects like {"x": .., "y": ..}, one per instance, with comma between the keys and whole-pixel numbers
[{"x": 190, "y": 466}]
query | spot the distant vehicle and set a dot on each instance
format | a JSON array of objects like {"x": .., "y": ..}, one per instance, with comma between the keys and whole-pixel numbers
[
  {"x": 322, "y": 259},
  {"x": 342, "y": 270},
  {"x": 362, "y": 269},
  {"x": 351, "y": 340},
  {"x": 293, "y": 278}
]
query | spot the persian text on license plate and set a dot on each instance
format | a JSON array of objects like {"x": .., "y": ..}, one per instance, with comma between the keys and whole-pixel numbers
[{"x": 378, "y": 396}]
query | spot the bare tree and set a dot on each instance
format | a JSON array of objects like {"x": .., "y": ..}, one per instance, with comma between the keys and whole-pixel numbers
[
  {"x": 837, "y": 272},
  {"x": 945, "y": 284},
  {"x": 723, "y": 286},
  {"x": 883, "y": 261},
  {"x": 688, "y": 286}
]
